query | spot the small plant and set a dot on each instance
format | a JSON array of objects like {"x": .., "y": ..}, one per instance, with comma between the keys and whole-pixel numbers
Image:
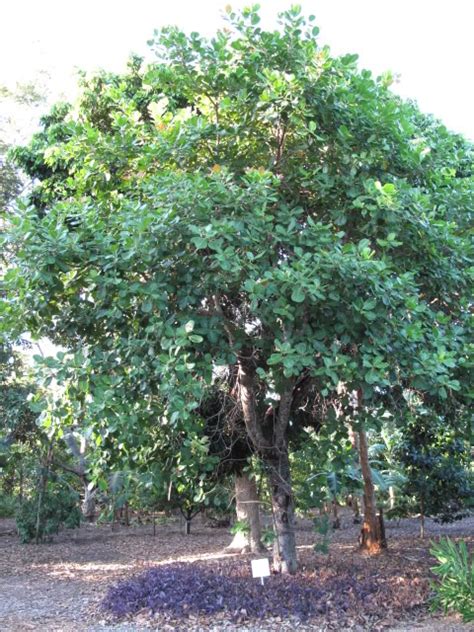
[
  {"x": 268, "y": 536},
  {"x": 455, "y": 590},
  {"x": 7, "y": 506},
  {"x": 322, "y": 528},
  {"x": 240, "y": 526},
  {"x": 59, "y": 508}
]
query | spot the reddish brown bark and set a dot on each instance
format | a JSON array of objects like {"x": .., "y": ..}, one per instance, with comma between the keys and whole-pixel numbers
[{"x": 372, "y": 537}]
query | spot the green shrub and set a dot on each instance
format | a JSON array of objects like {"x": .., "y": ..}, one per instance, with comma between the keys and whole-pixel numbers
[
  {"x": 322, "y": 529},
  {"x": 7, "y": 506},
  {"x": 59, "y": 508},
  {"x": 455, "y": 588},
  {"x": 240, "y": 526},
  {"x": 268, "y": 536}
]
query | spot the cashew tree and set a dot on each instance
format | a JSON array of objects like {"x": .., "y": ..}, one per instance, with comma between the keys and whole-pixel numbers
[{"x": 248, "y": 200}]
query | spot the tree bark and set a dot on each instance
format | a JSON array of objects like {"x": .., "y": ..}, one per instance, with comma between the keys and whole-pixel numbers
[
  {"x": 21, "y": 482},
  {"x": 391, "y": 496},
  {"x": 355, "y": 446},
  {"x": 353, "y": 503},
  {"x": 188, "y": 515},
  {"x": 372, "y": 537},
  {"x": 284, "y": 547},
  {"x": 246, "y": 376},
  {"x": 336, "y": 523},
  {"x": 422, "y": 518},
  {"x": 274, "y": 455},
  {"x": 88, "y": 503},
  {"x": 42, "y": 490},
  {"x": 247, "y": 510}
]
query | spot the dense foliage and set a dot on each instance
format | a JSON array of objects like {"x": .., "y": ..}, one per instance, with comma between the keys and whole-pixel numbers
[
  {"x": 245, "y": 201},
  {"x": 20, "y": 437},
  {"x": 436, "y": 462},
  {"x": 42, "y": 519}
]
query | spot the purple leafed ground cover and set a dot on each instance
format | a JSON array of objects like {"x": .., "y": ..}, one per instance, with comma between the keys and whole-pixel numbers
[{"x": 179, "y": 590}]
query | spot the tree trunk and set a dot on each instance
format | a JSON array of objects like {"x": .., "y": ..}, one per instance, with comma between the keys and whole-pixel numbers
[
  {"x": 353, "y": 503},
  {"x": 284, "y": 547},
  {"x": 391, "y": 496},
  {"x": 336, "y": 523},
  {"x": 88, "y": 504},
  {"x": 42, "y": 490},
  {"x": 21, "y": 482},
  {"x": 422, "y": 518},
  {"x": 372, "y": 537},
  {"x": 188, "y": 515},
  {"x": 247, "y": 509},
  {"x": 355, "y": 446},
  {"x": 274, "y": 455}
]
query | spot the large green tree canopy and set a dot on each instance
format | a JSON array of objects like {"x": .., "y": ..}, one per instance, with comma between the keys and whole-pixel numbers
[{"x": 248, "y": 199}]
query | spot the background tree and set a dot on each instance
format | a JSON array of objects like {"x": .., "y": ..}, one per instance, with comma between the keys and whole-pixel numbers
[
  {"x": 19, "y": 434},
  {"x": 18, "y": 110},
  {"x": 436, "y": 457}
]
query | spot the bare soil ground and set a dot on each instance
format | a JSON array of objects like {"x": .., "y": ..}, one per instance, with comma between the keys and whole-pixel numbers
[{"x": 58, "y": 586}]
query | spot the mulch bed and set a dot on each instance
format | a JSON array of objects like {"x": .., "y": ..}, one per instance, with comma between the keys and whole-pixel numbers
[{"x": 62, "y": 585}]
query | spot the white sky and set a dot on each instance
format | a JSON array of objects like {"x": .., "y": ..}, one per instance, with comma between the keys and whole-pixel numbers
[{"x": 430, "y": 43}]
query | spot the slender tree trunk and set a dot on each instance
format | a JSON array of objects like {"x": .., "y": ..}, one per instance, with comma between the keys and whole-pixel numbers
[
  {"x": 284, "y": 547},
  {"x": 39, "y": 507},
  {"x": 188, "y": 515},
  {"x": 354, "y": 504},
  {"x": 372, "y": 534},
  {"x": 42, "y": 490},
  {"x": 422, "y": 518},
  {"x": 336, "y": 523},
  {"x": 354, "y": 498},
  {"x": 247, "y": 509},
  {"x": 391, "y": 496},
  {"x": 21, "y": 482}
]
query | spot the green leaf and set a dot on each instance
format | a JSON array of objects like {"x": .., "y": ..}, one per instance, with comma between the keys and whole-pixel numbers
[
  {"x": 196, "y": 338},
  {"x": 297, "y": 295},
  {"x": 189, "y": 326}
]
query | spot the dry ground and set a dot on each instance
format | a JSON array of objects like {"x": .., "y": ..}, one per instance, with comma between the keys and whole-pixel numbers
[{"x": 58, "y": 586}]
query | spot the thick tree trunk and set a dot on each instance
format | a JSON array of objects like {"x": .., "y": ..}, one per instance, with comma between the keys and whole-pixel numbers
[
  {"x": 284, "y": 547},
  {"x": 247, "y": 509},
  {"x": 373, "y": 533},
  {"x": 274, "y": 454}
]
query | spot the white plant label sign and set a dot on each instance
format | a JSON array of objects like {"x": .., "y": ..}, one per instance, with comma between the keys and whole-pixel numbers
[{"x": 260, "y": 568}]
